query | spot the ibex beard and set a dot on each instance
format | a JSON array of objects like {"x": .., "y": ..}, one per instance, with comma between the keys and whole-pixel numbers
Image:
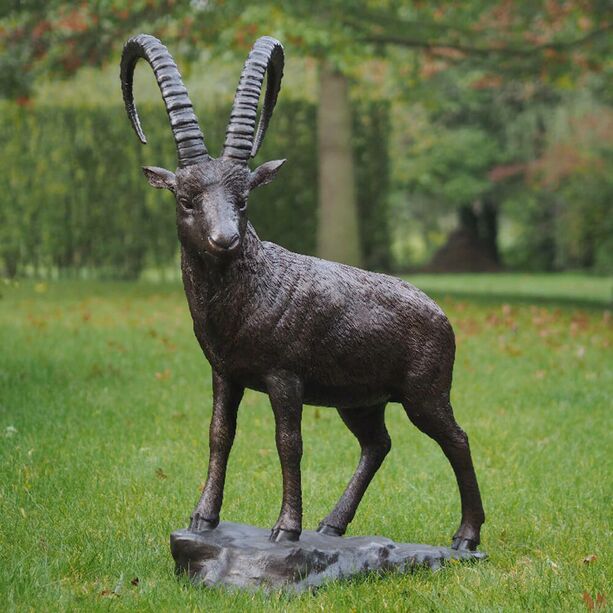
[{"x": 301, "y": 329}]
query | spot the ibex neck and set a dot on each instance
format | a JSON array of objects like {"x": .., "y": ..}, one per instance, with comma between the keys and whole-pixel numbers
[
  {"x": 206, "y": 276},
  {"x": 223, "y": 295}
]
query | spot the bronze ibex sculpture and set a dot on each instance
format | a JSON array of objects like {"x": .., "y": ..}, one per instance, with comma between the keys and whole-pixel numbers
[{"x": 298, "y": 328}]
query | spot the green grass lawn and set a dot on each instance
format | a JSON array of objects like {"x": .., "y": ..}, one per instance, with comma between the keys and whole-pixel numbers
[
  {"x": 557, "y": 289},
  {"x": 104, "y": 407}
]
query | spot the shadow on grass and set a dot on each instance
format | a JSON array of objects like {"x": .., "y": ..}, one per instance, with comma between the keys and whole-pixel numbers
[{"x": 494, "y": 298}]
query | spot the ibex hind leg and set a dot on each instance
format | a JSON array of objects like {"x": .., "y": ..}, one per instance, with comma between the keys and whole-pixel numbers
[
  {"x": 435, "y": 418},
  {"x": 368, "y": 426}
]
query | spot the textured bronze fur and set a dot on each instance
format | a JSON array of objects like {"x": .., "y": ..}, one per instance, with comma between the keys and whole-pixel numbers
[{"x": 304, "y": 330}]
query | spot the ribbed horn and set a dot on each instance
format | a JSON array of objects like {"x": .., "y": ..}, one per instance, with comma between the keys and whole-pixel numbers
[
  {"x": 183, "y": 122},
  {"x": 265, "y": 56}
]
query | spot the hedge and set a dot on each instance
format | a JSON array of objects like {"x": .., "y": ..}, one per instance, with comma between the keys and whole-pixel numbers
[{"x": 72, "y": 197}]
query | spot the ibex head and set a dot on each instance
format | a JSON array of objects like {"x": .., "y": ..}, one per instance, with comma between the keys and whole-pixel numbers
[{"x": 211, "y": 193}]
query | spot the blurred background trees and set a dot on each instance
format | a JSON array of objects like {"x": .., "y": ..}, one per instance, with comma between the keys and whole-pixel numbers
[{"x": 451, "y": 136}]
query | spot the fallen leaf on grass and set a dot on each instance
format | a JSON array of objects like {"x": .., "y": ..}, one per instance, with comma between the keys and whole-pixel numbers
[
  {"x": 591, "y": 558},
  {"x": 135, "y": 581},
  {"x": 164, "y": 375},
  {"x": 600, "y": 603},
  {"x": 525, "y": 561},
  {"x": 492, "y": 319},
  {"x": 117, "y": 346},
  {"x": 96, "y": 370},
  {"x": 579, "y": 322},
  {"x": 574, "y": 328},
  {"x": 37, "y": 322},
  {"x": 539, "y": 374},
  {"x": 511, "y": 350},
  {"x": 160, "y": 474},
  {"x": 170, "y": 346},
  {"x": 468, "y": 326},
  {"x": 103, "y": 370},
  {"x": 108, "y": 593}
]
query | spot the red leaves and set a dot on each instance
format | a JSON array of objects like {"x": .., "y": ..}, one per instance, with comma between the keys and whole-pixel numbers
[
  {"x": 244, "y": 35},
  {"x": 75, "y": 21},
  {"x": 504, "y": 171},
  {"x": 488, "y": 81}
]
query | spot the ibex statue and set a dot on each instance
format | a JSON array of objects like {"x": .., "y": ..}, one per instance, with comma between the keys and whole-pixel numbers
[{"x": 301, "y": 329}]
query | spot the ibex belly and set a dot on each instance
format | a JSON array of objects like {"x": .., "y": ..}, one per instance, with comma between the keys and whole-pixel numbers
[{"x": 366, "y": 368}]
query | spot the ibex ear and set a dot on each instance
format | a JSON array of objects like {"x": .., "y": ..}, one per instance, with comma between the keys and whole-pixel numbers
[
  {"x": 160, "y": 178},
  {"x": 265, "y": 173}
]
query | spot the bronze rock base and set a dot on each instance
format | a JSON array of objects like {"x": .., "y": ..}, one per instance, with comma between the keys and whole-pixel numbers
[{"x": 241, "y": 556}]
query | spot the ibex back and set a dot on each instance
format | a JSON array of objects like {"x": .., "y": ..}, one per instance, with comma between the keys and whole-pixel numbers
[{"x": 301, "y": 329}]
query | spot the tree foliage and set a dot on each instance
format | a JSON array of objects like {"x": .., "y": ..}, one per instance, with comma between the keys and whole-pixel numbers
[
  {"x": 487, "y": 76},
  {"x": 72, "y": 197},
  {"x": 549, "y": 38}
]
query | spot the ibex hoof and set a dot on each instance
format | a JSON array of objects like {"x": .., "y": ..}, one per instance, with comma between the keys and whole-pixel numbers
[
  {"x": 463, "y": 543},
  {"x": 329, "y": 530},
  {"x": 278, "y": 535},
  {"x": 199, "y": 524}
]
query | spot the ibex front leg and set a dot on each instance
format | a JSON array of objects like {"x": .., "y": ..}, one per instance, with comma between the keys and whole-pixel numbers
[
  {"x": 285, "y": 393},
  {"x": 226, "y": 398}
]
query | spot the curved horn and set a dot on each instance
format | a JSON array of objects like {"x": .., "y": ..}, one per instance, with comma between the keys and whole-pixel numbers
[
  {"x": 265, "y": 56},
  {"x": 183, "y": 122}
]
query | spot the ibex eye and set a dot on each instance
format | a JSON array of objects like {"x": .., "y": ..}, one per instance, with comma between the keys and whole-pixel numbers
[
  {"x": 242, "y": 206},
  {"x": 186, "y": 203}
]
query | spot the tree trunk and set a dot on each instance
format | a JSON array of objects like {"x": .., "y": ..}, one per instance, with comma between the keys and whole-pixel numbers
[
  {"x": 473, "y": 245},
  {"x": 489, "y": 229},
  {"x": 337, "y": 231},
  {"x": 468, "y": 221},
  {"x": 11, "y": 264}
]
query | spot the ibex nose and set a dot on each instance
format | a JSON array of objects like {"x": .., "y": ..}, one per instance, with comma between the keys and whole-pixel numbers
[{"x": 224, "y": 243}]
